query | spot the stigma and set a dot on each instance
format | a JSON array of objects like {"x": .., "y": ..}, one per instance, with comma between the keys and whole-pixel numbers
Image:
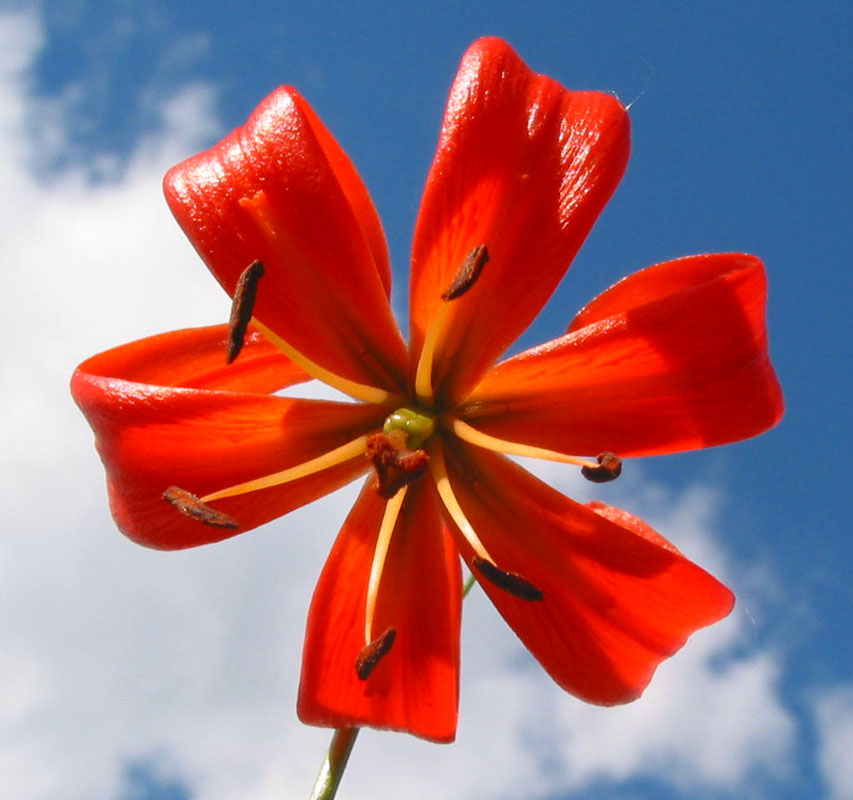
[{"x": 397, "y": 453}]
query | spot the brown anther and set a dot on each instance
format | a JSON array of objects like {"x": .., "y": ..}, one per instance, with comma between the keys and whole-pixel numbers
[
  {"x": 468, "y": 273},
  {"x": 508, "y": 581},
  {"x": 396, "y": 466},
  {"x": 371, "y": 654},
  {"x": 190, "y": 506},
  {"x": 609, "y": 469},
  {"x": 241, "y": 308}
]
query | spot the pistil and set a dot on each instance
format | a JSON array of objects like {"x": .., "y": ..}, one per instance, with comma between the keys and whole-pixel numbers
[
  {"x": 396, "y": 465},
  {"x": 397, "y": 453}
]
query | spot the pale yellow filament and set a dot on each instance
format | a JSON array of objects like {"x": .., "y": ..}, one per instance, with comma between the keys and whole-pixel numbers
[
  {"x": 445, "y": 491},
  {"x": 423, "y": 375},
  {"x": 334, "y": 457},
  {"x": 465, "y": 432},
  {"x": 380, "y": 552},
  {"x": 360, "y": 391}
]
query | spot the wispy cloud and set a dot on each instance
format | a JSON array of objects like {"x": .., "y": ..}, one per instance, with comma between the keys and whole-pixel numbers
[
  {"x": 111, "y": 654},
  {"x": 834, "y": 720}
]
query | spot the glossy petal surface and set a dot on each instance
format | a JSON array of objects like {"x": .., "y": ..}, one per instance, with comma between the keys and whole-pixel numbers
[
  {"x": 151, "y": 436},
  {"x": 673, "y": 358},
  {"x": 355, "y": 191},
  {"x": 617, "y": 598},
  {"x": 523, "y": 166},
  {"x": 280, "y": 189},
  {"x": 415, "y": 687},
  {"x": 194, "y": 358}
]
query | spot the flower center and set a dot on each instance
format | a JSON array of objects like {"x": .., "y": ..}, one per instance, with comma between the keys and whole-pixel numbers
[
  {"x": 417, "y": 424},
  {"x": 397, "y": 453}
]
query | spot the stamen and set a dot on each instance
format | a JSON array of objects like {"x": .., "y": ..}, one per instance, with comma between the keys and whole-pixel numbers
[
  {"x": 371, "y": 654},
  {"x": 263, "y": 214},
  {"x": 396, "y": 466},
  {"x": 609, "y": 468},
  {"x": 241, "y": 308},
  {"x": 468, "y": 273},
  {"x": 360, "y": 391},
  {"x": 445, "y": 491},
  {"x": 423, "y": 374},
  {"x": 339, "y": 455},
  {"x": 465, "y": 432},
  {"x": 193, "y": 507},
  {"x": 508, "y": 581},
  {"x": 465, "y": 278},
  {"x": 380, "y": 553}
]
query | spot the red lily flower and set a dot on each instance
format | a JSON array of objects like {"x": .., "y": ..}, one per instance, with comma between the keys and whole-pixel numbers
[{"x": 672, "y": 358}]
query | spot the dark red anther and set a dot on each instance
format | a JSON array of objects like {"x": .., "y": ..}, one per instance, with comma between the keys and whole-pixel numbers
[
  {"x": 508, "y": 581},
  {"x": 241, "y": 308},
  {"x": 190, "y": 506},
  {"x": 609, "y": 469},
  {"x": 371, "y": 654},
  {"x": 468, "y": 273},
  {"x": 396, "y": 466}
]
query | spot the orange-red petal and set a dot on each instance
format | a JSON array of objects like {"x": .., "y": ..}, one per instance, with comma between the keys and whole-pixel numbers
[
  {"x": 617, "y": 598},
  {"x": 414, "y": 688},
  {"x": 155, "y": 435},
  {"x": 355, "y": 191},
  {"x": 673, "y": 358},
  {"x": 313, "y": 227},
  {"x": 194, "y": 358},
  {"x": 523, "y": 166}
]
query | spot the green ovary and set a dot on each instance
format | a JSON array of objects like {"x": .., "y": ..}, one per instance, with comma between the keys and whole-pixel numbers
[{"x": 418, "y": 425}]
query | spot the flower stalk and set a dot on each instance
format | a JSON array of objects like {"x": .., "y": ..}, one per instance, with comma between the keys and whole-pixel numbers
[{"x": 332, "y": 770}]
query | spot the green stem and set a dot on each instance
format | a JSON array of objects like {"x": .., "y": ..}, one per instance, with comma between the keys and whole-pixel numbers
[
  {"x": 469, "y": 584},
  {"x": 326, "y": 786}
]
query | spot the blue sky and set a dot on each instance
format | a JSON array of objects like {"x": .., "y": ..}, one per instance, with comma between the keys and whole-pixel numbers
[{"x": 128, "y": 675}]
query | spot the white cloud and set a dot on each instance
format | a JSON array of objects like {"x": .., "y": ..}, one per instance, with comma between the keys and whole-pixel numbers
[
  {"x": 110, "y": 653},
  {"x": 834, "y": 719}
]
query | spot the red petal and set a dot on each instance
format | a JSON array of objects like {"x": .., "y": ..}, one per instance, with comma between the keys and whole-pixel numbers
[
  {"x": 523, "y": 166},
  {"x": 153, "y": 436},
  {"x": 194, "y": 358},
  {"x": 355, "y": 191},
  {"x": 617, "y": 598},
  {"x": 322, "y": 290},
  {"x": 414, "y": 688},
  {"x": 673, "y": 358},
  {"x": 661, "y": 281}
]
